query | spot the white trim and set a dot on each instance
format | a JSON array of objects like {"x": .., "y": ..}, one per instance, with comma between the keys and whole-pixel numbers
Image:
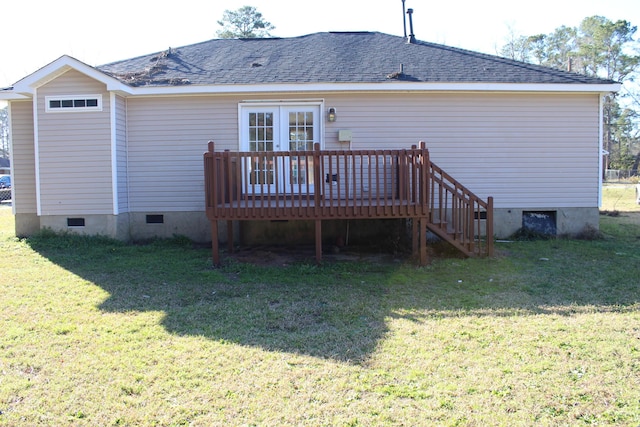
[
  {"x": 13, "y": 201},
  {"x": 114, "y": 151},
  {"x": 374, "y": 87},
  {"x": 290, "y": 101},
  {"x": 73, "y": 98},
  {"x": 279, "y": 104},
  {"x": 7, "y": 95},
  {"x": 600, "y": 145},
  {"x": 30, "y": 83},
  {"x": 36, "y": 151},
  {"x": 280, "y": 109},
  {"x": 126, "y": 151}
]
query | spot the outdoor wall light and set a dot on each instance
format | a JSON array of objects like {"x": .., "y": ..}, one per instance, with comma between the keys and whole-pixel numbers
[{"x": 331, "y": 115}]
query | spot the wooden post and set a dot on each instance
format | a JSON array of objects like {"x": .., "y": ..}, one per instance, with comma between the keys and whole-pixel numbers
[
  {"x": 414, "y": 178},
  {"x": 317, "y": 196},
  {"x": 318, "y": 240},
  {"x": 489, "y": 226},
  {"x": 415, "y": 241},
  {"x": 230, "y": 236},
  {"x": 215, "y": 251},
  {"x": 423, "y": 241},
  {"x": 211, "y": 201},
  {"x": 317, "y": 179}
]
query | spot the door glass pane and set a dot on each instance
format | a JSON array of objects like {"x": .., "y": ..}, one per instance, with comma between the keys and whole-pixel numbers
[
  {"x": 261, "y": 170},
  {"x": 300, "y": 131},
  {"x": 301, "y": 138},
  {"x": 301, "y": 170},
  {"x": 261, "y": 139},
  {"x": 269, "y": 129},
  {"x": 260, "y": 132}
]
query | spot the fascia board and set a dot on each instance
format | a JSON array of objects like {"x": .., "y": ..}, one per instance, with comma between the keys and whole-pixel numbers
[
  {"x": 60, "y": 66},
  {"x": 9, "y": 95},
  {"x": 374, "y": 87},
  {"x": 26, "y": 86}
]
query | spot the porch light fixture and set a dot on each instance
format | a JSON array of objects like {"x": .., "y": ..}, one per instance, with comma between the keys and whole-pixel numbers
[{"x": 331, "y": 114}]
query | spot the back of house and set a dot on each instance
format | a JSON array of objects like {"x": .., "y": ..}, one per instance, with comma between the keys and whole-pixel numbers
[{"x": 117, "y": 149}]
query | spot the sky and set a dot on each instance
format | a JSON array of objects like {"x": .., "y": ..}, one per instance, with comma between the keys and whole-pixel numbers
[{"x": 36, "y": 32}]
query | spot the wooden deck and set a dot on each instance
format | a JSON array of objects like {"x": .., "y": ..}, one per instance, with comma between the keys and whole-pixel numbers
[{"x": 345, "y": 184}]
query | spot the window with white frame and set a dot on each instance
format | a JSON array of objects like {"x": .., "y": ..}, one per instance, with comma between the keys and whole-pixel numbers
[{"x": 73, "y": 103}]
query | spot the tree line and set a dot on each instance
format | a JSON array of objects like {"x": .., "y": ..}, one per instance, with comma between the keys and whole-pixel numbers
[{"x": 598, "y": 47}]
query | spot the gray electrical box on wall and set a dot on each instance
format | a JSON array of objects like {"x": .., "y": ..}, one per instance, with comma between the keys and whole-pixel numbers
[{"x": 344, "y": 135}]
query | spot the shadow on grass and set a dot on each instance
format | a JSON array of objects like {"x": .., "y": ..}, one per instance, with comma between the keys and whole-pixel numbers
[{"x": 340, "y": 310}]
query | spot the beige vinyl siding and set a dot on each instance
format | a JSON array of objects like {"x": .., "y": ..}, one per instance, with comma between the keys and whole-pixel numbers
[
  {"x": 530, "y": 151},
  {"x": 534, "y": 151},
  {"x": 167, "y": 138},
  {"x": 121, "y": 153},
  {"x": 74, "y": 151},
  {"x": 23, "y": 166}
]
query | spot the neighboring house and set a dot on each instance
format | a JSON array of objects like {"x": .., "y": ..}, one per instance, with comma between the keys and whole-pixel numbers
[{"x": 117, "y": 149}]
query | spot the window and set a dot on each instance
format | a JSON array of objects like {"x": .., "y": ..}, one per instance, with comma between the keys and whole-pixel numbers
[
  {"x": 266, "y": 128},
  {"x": 73, "y": 103}
]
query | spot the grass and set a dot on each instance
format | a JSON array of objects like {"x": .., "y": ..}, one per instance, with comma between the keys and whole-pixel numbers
[
  {"x": 96, "y": 332},
  {"x": 620, "y": 197}
]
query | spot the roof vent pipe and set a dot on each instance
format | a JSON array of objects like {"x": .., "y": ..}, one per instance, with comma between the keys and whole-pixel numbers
[
  {"x": 404, "y": 19},
  {"x": 412, "y": 37}
]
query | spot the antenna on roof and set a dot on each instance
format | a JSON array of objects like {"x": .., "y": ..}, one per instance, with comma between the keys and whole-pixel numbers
[
  {"x": 412, "y": 37},
  {"x": 404, "y": 19}
]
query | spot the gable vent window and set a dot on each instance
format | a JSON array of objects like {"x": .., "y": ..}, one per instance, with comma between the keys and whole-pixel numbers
[{"x": 73, "y": 103}]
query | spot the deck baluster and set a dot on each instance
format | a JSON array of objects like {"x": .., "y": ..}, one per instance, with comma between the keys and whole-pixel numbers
[{"x": 345, "y": 184}]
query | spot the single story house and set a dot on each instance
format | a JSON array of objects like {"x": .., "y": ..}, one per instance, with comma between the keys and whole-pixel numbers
[{"x": 117, "y": 149}]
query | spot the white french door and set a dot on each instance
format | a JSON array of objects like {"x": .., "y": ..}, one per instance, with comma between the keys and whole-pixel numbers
[{"x": 272, "y": 128}]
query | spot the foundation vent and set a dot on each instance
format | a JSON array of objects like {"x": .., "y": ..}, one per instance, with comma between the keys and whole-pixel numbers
[
  {"x": 75, "y": 222},
  {"x": 155, "y": 219}
]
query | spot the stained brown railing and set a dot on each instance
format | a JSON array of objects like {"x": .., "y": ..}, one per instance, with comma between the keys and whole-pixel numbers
[
  {"x": 344, "y": 184},
  {"x": 458, "y": 215}
]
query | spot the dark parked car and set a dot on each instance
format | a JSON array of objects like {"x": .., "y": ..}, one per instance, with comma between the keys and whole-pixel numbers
[{"x": 5, "y": 187}]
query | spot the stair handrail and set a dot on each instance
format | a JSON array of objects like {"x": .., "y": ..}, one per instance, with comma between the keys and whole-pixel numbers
[{"x": 457, "y": 214}]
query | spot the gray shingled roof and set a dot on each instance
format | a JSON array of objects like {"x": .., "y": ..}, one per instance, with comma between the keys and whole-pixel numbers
[{"x": 347, "y": 57}]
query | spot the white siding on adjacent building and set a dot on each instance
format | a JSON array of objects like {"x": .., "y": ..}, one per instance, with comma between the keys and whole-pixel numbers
[
  {"x": 74, "y": 151},
  {"x": 22, "y": 154}
]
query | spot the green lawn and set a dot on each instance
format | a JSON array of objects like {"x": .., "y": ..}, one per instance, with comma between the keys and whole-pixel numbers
[
  {"x": 98, "y": 333},
  {"x": 620, "y": 197}
]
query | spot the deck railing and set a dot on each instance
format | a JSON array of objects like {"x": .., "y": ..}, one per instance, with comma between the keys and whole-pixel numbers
[
  {"x": 344, "y": 184},
  {"x": 458, "y": 215}
]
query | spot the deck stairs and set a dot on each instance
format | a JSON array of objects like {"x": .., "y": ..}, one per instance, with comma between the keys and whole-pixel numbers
[{"x": 319, "y": 185}]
